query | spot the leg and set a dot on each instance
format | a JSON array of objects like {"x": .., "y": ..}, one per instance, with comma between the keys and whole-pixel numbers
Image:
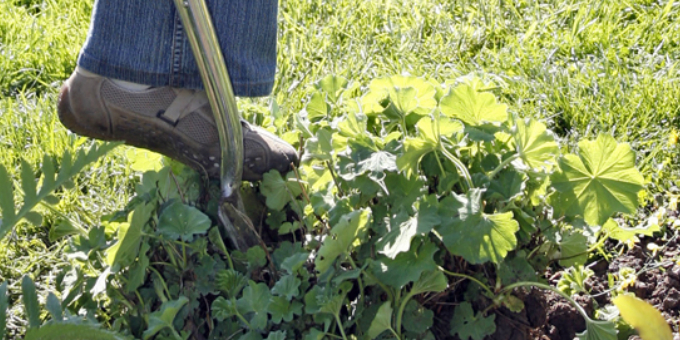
[{"x": 143, "y": 42}]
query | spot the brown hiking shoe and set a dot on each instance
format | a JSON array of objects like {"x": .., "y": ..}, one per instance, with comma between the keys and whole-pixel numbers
[{"x": 177, "y": 123}]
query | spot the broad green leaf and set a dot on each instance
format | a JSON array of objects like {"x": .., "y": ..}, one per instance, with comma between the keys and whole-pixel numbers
[
  {"x": 407, "y": 266},
  {"x": 294, "y": 262},
  {"x": 411, "y": 93},
  {"x": 30, "y": 300},
  {"x": 164, "y": 317},
  {"x": 53, "y": 306},
  {"x": 398, "y": 239},
  {"x": 377, "y": 164},
  {"x": 318, "y": 177},
  {"x": 317, "y": 108},
  {"x": 516, "y": 269},
  {"x": 404, "y": 191},
  {"x": 476, "y": 236},
  {"x": 600, "y": 181},
  {"x": 255, "y": 301},
  {"x": 277, "y": 190},
  {"x": 430, "y": 281},
  {"x": 508, "y": 186},
  {"x": 341, "y": 237},
  {"x": 469, "y": 325},
  {"x": 414, "y": 150},
  {"x": 649, "y": 323},
  {"x": 382, "y": 320},
  {"x": 64, "y": 228},
  {"x": 627, "y": 235},
  {"x": 101, "y": 283},
  {"x": 252, "y": 335},
  {"x": 536, "y": 146},
  {"x": 125, "y": 250},
  {"x": 138, "y": 270},
  {"x": 573, "y": 249},
  {"x": 3, "y": 309},
  {"x": 278, "y": 335},
  {"x": 142, "y": 160},
  {"x": 417, "y": 319},
  {"x": 181, "y": 222},
  {"x": 256, "y": 257},
  {"x": 403, "y": 101},
  {"x": 59, "y": 331},
  {"x": 288, "y": 287},
  {"x": 283, "y": 310},
  {"x": 429, "y": 133},
  {"x": 333, "y": 86},
  {"x": 472, "y": 107},
  {"x": 332, "y": 301},
  {"x": 222, "y": 308},
  {"x": 598, "y": 330},
  {"x": 314, "y": 334},
  {"x": 347, "y": 275},
  {"x": 319, "y": 147}
]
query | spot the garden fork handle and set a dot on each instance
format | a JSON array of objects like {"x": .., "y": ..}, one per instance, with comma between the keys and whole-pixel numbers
[{"x": 200, "y": 31}]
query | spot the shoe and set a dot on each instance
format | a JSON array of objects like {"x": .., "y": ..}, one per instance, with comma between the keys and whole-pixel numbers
[{"x": 174, "y": 122}]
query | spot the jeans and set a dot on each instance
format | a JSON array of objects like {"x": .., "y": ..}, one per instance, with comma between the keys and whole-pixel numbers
[{"x": 143, "y": 41}]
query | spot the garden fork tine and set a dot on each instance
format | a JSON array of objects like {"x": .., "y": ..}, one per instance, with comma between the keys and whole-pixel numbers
[{"x": 205, "y": 46}]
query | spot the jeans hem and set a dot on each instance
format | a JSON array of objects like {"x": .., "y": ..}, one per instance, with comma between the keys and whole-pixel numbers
[{"x": 259, "y": 88}]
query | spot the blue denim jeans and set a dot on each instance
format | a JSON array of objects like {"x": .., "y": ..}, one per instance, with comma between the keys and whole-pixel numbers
[{"x": 143, "y": 41}]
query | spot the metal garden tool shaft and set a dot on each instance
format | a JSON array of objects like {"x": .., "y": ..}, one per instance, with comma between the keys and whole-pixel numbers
[{"x": 205, "y": 46}]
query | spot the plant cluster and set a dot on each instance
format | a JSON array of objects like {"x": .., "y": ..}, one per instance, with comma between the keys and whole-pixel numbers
[{"x": 407, "y": 188}]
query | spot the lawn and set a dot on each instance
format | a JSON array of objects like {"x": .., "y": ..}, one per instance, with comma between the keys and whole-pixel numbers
[{"x": 582, "y": 68}]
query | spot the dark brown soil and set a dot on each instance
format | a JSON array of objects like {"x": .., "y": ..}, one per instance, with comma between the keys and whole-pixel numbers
[
  {"x": 549, "y": 316},
  {"x": 658, "y": 282}
]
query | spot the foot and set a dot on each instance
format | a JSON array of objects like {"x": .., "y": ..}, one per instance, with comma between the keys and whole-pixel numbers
[{"x": 174, "y": 122}]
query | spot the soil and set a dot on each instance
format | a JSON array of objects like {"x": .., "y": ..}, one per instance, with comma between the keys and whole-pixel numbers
[
  {"x": 658, "y": 282},
  {"x": 547, "y": 316}
]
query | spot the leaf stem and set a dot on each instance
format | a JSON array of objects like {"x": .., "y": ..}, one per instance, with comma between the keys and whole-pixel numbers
[
  {"x": 441, "y": 167},
  {"x": 361, "y": 283},
  {"x": 342, "y": 331},
  {"x": 390, "y": 295},
  {"x": 550, "y": 288},
  {"x": 501, "y": 166},
  {"x": 239, "y": 316},
  {"x": 395, "y": 333},
  {"x": 460, "y": 166},
  {"x": 400, "y": 312},
  {"x": 480, "y": 283},
  {"x": 335, "y": 179}
]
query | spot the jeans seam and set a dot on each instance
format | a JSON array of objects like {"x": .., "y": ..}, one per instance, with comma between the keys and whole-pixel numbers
[{"x": 177, "y": 52}]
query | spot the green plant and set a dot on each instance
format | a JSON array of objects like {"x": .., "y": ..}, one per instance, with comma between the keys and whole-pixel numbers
[
  {"x": 400, "y": 188},
  {"x": 51, "y": 181}
]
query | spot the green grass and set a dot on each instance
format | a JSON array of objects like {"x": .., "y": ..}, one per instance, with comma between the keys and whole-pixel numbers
[{"x": 581, "y": 66}]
